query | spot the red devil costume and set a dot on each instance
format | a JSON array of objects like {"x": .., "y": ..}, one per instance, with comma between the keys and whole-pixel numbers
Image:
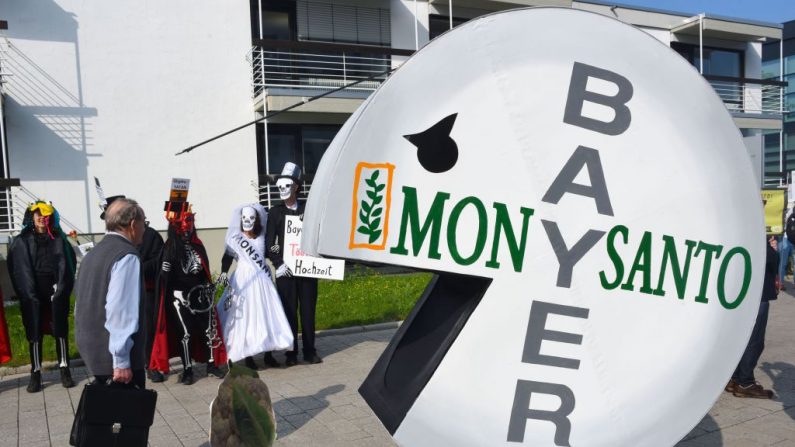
[
  {"x": 187, "y": 325},
  {"x": 5, "y": 342}
]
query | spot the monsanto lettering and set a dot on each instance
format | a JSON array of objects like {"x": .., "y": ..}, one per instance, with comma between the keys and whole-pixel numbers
[
  {"x": 642, "y": 264},
  {"x": 419, "y": 231}
]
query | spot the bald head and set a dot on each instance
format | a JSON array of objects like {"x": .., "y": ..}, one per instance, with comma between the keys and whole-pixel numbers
[{"x": 121, "y": 213}]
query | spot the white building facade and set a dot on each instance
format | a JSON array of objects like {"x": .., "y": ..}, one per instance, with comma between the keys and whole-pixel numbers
[{"x": 114, "y": 89}]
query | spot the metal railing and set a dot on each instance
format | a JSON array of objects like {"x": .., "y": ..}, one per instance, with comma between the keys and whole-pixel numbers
[
  {"x": 292, "y": 70},
  {"x": 14, "y": 201},
  {"x": 4, "y": 49},
  {"x": 318, "y": 65},
  {"x": 744, "y": 95}
]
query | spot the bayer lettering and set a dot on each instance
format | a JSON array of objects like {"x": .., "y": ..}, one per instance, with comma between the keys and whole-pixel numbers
[{"x": 413, "y": 227}]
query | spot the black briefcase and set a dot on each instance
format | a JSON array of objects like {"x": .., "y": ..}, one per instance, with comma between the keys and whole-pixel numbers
[{"x": 113, "y": 415}]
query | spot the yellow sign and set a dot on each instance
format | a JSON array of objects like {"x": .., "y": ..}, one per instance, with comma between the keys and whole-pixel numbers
[{"x": 775, "y": 205}]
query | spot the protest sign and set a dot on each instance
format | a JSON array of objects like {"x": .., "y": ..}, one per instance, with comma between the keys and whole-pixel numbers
[
  {"x": 775, "y": 204},
  {"x": 300, "y": 263}
]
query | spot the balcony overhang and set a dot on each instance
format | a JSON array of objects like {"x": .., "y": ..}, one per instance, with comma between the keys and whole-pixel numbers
[
  {"x": 276, "y": 99},
  {"x": 727, "y": 29},
  {"x": 757, "y": 121}
]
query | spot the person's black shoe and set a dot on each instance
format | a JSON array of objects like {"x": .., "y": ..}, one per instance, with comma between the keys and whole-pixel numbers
[
  {"x": 754, "y": 390},
  {"x": 34, "y": 386},
  {"x": 250, "y": 363},
  {"x": 187, "y": 377},
  {"x": 269, "y": 360},
  {"x": 156, "y": 376},
  {"x": 66, "y": 378},
  {"x": 214, "y": 371},
  {"x": 313, "y": 359},
  {"x": 291, "y": 361}
]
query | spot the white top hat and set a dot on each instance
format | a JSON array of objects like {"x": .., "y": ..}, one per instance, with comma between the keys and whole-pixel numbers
[{"x": 290, "y": 170}]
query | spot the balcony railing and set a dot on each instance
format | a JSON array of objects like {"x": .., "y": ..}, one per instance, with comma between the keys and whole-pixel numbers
[
  {"x": 755, "y": 96},
  {"x": 318, "y": 65},
  {"x": 14, "y": 201}
]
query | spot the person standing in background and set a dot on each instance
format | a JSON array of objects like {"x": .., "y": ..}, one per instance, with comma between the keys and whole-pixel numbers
[
  {"x": 743, "y": 382},
  {"x": 187, "y": 325},
  {"x": 785, "y": 247},
  {"x": 298, "y": 295},
  {"x": 41, "y": 263}
]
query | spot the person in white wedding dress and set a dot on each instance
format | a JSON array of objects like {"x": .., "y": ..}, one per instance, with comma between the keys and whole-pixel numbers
[{"x": 250, "y": 310}]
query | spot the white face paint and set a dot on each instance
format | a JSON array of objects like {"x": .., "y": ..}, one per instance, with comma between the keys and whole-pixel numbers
[
  {"x": 248, "y": 216},
  {"x": 285, "y": 186}
]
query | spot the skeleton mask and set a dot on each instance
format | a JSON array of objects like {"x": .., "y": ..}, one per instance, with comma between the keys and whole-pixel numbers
[
  {"x": 285, "y": 186},
  {"x": 248, "y": 216}
]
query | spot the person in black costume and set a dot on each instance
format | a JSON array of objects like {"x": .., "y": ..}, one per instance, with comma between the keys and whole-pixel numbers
[
  {"x": 150, "y": 250},
  {"x": 298, "y": 295},
  {"x": 183, "y": 326},
  {"x": 41, "y": 263},
  {"x": 743, "y": 383}
]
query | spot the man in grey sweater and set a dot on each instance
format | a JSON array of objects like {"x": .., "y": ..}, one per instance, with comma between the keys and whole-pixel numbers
[{"x": 110, "y": 327}]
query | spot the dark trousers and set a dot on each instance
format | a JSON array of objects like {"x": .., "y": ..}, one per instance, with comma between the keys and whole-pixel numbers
[
  {"x": 744, "y": 374},
  {"x": 299, "y": 296},
  {"x": 36, "y": 350},
  {"x": 139, "y": 378}
]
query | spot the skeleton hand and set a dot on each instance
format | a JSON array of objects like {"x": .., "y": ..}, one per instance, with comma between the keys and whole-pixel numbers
[
  {"x": 275, "y": 249},
  {"x": 223, "y": 279},
  {"x": 283, "y": 270},
  {"x": 166, "y": 266}
]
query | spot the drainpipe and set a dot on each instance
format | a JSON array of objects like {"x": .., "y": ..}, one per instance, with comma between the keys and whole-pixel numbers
[
  {"x": 260, "y": 18},
  {"x": 265, "y": 112},
  {"x": 3, "y": 135},
  {"x": 701, "y": 43},
  {"x": 781, "y": 105},
  {"x": 416, "y": 28},
  {"x": 6, "y": 205},
  {"x": 267, "y": 151}
]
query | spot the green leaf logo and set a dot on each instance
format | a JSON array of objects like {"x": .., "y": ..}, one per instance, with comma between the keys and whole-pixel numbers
[{"x": 371, "y": 210}]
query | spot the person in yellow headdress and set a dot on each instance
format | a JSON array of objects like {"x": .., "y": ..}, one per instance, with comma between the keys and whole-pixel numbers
[{"x": 41, "y": 263}]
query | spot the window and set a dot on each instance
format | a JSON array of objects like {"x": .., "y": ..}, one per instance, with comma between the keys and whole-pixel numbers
[
  {"x": 278, "y": 20},
  {"x": 439, "y": 24},
  {"x": 281, "y": 149},
  {"x": 773, "y": 153},
  {"x": 316, "y": 140},
  {"x": 336, "y": 22},
  {"x": 276, "y": 25},
  {"x": 303, "y": 144},
  {"x": 717, "y": 61}
]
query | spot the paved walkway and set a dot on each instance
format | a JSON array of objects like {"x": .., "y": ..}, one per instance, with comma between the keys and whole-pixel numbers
[{"x": 319, "y": 404}]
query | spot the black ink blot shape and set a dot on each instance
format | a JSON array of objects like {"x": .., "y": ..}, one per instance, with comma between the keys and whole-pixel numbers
[{"x": 436, "y": 151}]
